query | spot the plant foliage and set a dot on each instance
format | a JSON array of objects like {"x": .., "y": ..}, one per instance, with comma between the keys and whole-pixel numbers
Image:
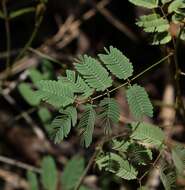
[
  {"x": 139, "y": 102},
  {"x": 117, "y": 63},
  {"x": 147, "y": 133},
  {"x": 72, "y": 172},
  {"x": 49, "y": 173},
  {"x": 110, "y": 112},
  {"x": 86, "y": 124},
  {"x": 116, "y": 164}
]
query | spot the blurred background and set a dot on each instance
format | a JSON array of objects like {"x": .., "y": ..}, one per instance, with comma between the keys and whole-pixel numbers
[{"x": 46, "y": 36}]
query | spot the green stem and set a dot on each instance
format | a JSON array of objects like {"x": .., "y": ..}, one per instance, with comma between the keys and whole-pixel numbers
[
  {"x": 33, "y": 35},
  {"x": 90, "y": 163},
  {"x": 134, "y": 78}
]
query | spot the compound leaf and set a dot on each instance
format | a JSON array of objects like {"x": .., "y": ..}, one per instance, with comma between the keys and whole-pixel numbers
[
  {"x": 117, "y": 63},
  {"x": 120, "y": 146},
  {"x": 139, "y": 101},
  {"x": 138, "y": 154},
  {"x": 178, "y": 156},
  {"x": 153, "y": 23},
  {"x": 94, "y": 73},
  {"x": 161, "y": 38},
  {"x": 61, "y": 125},
  {"x": 177, "y": 6},
  {"x": 110, "y": 112},
  {"x": 147, "y": 133},
  {"x": 86, "y": 123},
  {"x": 123, "y": 170},
  {"x": 150, "y": 4},
  {"x": 168, "y": 177},
  {"x": 56, "y": 93}
]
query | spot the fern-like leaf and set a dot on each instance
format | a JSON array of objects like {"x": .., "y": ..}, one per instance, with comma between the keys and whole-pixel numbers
[
  {"x": 120, "y": 146},
  {"x": 177, "y": 6},
  {"x": 59, "y": 128},
  {"x": 153, "y": 23},
  {"x": 168, "y": 177},
  {"x": 139, "y": 102},
  {"x": 94, "y": 73},
  {"x": 56, "y": 93},
  {"x": 161, "y": 38},
  {"x": 178, "y": 156},
  {"x": 147, "y": 133},
  {"x": 150, "y": 4},
  {"x": 86, "y": 123},
  {"x": 138, "y": 154},
  {"x": 117, "y": 63},
  {"x": 79, "y": 85},
  {"x": 84, "y": 87},
  {"x": 71, "y": 112},
  {"x": 123, "y": 170},
  {"x": 110, "y": 112},
  {"x": 61, "y": 125}
]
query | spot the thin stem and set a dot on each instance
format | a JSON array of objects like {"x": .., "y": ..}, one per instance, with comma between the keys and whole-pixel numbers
[
  {"x": 8, "y": 36},
  {"x": 90, "y": 163},
  {"x": 134, "y": 78},
  {"x": 19, "y": 164},
  {"x": 33, "y": 35},
  {"x": 153, "y": 166}
]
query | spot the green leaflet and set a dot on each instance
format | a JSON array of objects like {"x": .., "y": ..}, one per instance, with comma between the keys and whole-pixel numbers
[
  {"x": 178, "y": 156},
  {"x": 168, "y": 177},
  {"x": 139, "y": 102},
  {"x": 72, "y": 113},
  {"x": 147, "y": 133},
  {"x": 138, "y": 154},
  {"x": 161, "y": 38},
  {"x": 117, "y": 63},
  {"x": 61, "y": 125},
  {"x": 56, "y": 93},
  {"x": 28, "y": 94},
  {"x": 120, "y": 146},
  {"x": 21, "y": 12},
  {"x": 176, "y": 18},
  {"x": 150, "y": 4},
  {"x": 80, "y": 85},
  {"x": 176, "y": 6},
  {"x": 110, "y": 112},
  {"x": 49, "y": 173},
  {"x": 44, "y": 115},
  {"x": 123, "y": 170},
  {"x": 72, "y": 172},
  {"x": 35, "y": 75},
  {"x": 86, "y": 123},
  {"x": 165, "y": 1},
  {"x": 94, "y": 73},
  {"x": 32, "y": 181},
  {"x": 153, "y": 23}
]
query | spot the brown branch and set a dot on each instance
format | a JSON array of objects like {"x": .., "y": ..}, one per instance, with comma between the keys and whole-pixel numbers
[{"x": 19, "y": 164}]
